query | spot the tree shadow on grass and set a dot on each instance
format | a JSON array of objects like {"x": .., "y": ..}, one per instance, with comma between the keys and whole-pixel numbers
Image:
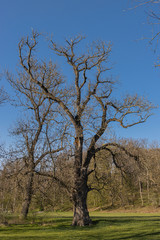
[
  {"x": 143, "y": 236},
  {"x": 124, "y": 227},
  {"x": 124, "y": 220},
  {"x": 110, "y": 228}
]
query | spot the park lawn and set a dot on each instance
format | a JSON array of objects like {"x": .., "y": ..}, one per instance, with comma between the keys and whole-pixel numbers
[{"x": 57, "y": 226}]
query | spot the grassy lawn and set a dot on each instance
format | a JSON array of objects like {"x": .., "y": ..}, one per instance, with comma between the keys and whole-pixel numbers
[{"x": 105, "y": 226}]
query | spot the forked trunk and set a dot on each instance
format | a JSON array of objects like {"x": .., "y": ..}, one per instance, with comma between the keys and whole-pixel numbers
[{"x": 27, "y": 197}]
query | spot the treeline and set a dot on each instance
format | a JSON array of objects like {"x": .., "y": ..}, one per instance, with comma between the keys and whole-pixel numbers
[
  {"x": 133, "y": 183},
  {"x": 128, "y": 182}
]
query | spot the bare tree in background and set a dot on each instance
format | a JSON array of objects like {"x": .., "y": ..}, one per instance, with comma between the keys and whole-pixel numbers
[
  {"x": 86, "y": 101},
  {"x": 152, "y": 9},
  {"x": 3, "y": 99},
  {"x": 37, "y": 139},
  {"x": 3, "y": 95}
]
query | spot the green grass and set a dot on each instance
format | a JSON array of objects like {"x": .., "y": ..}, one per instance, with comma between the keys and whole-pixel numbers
[{"x": 57, "y": 226}]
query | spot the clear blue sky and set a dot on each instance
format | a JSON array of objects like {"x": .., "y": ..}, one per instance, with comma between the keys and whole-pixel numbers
[{"x": 109, "y": 20}]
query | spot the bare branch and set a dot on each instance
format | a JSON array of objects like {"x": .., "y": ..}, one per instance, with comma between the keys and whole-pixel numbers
[{"x": 54, "y": 179}]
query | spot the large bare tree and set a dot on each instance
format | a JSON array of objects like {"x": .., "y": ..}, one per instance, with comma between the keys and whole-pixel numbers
[{"x": 88, "y": 102}]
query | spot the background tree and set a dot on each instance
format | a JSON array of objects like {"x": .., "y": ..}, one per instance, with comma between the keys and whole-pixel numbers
[
  {"x": 37, "y": 136},
  {"x": 152, "y": 9},
  {"x": 3, "y": 95},
  {"x": 87, "y": 103}
]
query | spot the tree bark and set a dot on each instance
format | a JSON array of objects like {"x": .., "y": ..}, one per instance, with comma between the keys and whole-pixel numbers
[
  {"x": 140, "y": 192},
  {"x": 81, "y": 215},
  {"x": 28, "y": 196},
  {"x": 80, "y": 190}
]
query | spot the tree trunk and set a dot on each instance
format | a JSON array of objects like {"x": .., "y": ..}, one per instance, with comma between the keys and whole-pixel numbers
[
  {"x": 81, "y": 214},
  {"x": 80, "y": 191},
  {"x": 140, "y": 192},
  {"x": 27, "y": 197}
]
